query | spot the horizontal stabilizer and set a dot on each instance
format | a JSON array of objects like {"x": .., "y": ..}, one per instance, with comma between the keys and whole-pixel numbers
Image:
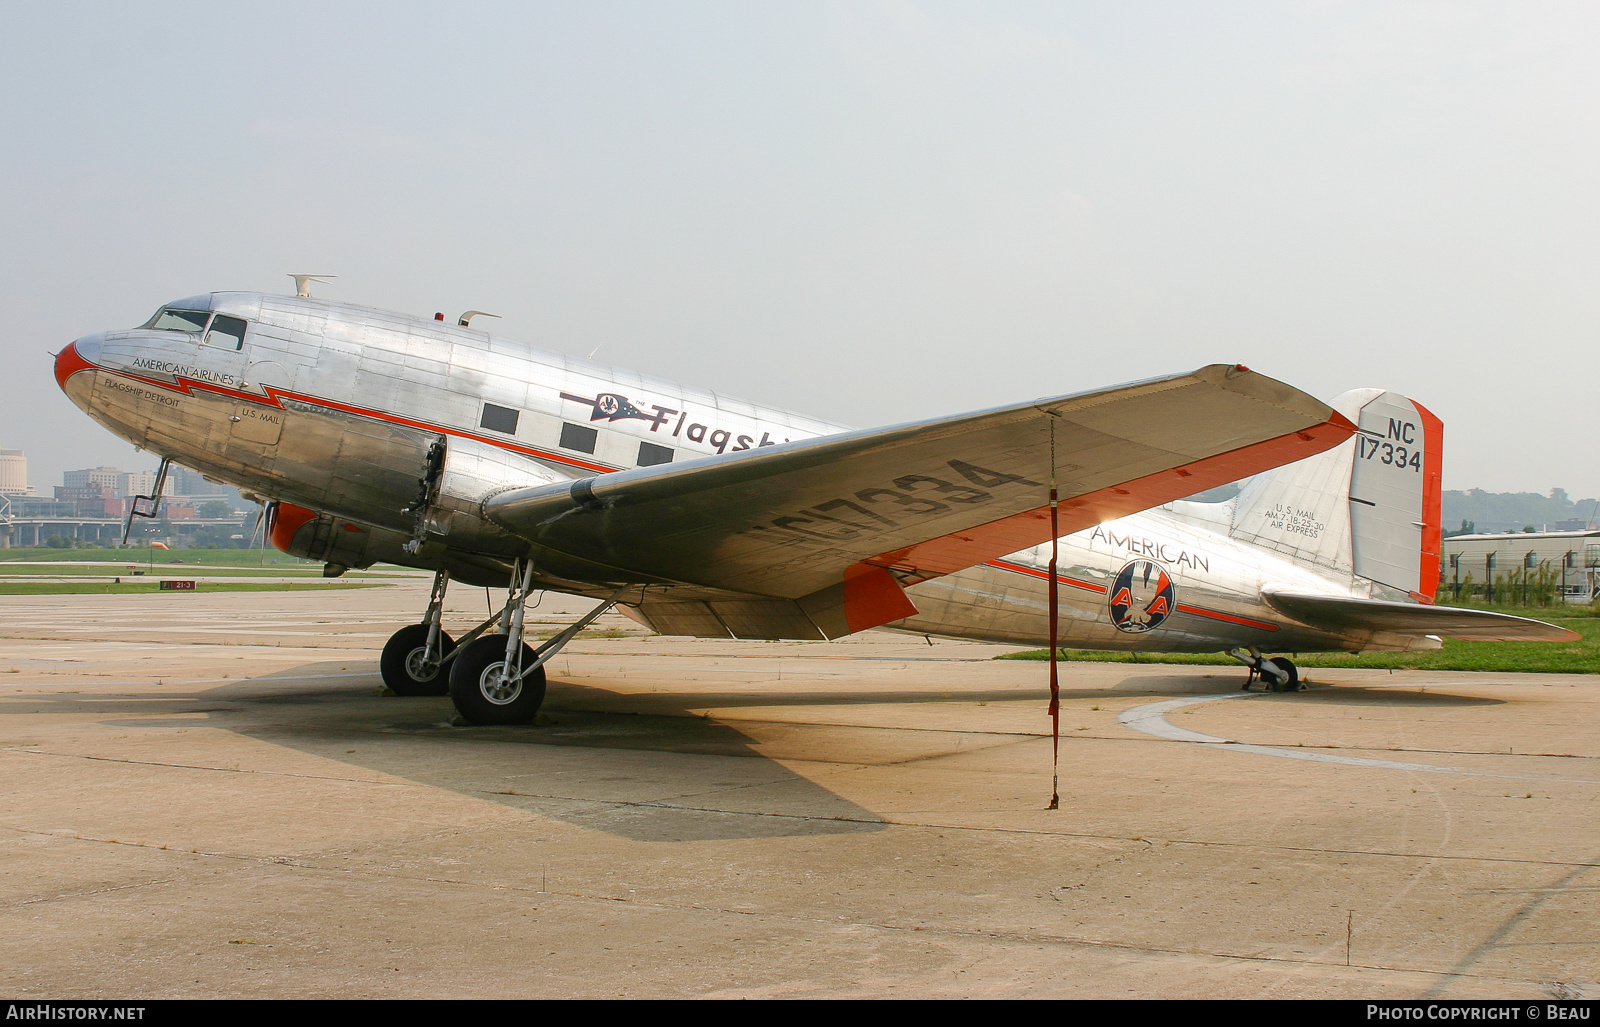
[{"x": 1342, "y": 613}]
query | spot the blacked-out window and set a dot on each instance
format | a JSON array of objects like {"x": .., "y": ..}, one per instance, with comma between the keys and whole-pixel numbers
[
  {"x": 651, "y": 454},
  {"x": 577, "y": 437},
  {"x": 502, "y": 419}
]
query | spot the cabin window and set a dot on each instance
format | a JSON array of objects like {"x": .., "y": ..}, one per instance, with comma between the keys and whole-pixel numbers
[
  {"x": 500, "y": 419},
  {"x": 651, "y": 454},
  {"x": 227, "y": 332},
  {"x": 578, "y": 438},
  {"x": 170, "y": 320}
]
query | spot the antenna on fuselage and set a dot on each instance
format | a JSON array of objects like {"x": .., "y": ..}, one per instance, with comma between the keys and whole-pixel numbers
[
  {"x": 469, "y": 315},
  {"x": 302, "y": 283}
]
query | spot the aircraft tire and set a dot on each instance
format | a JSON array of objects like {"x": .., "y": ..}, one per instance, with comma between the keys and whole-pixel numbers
[
  {"x": 398, "y": 664},
  {"x": 477, "y": 688},
  {"x": 1282, "y": 663}
]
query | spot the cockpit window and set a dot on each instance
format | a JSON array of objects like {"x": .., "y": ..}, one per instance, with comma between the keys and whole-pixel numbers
[
  {"x": 227, "y": 332},
  {"x": 169, "y": 320}
]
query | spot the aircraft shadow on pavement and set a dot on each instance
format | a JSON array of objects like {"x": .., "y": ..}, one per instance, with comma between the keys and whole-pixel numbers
[
  {"x": 1394, "y": 697},
  {"x": 642, "y": 765},
  {"x": 656, "y": 772}
]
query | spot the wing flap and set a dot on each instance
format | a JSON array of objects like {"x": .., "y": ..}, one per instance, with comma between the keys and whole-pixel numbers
[{"x": 1343, "y": 613}]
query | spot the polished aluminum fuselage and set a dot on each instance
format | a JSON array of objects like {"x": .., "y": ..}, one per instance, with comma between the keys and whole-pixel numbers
[{"x": 334, "y": 408}]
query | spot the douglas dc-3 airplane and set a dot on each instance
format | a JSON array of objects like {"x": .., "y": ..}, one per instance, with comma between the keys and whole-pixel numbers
[{"x": 374, "y": 436}]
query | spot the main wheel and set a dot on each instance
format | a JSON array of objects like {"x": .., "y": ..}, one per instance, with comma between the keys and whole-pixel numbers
[
  {"x": 405, "y": 666},
  {"x": 486, "y": 693},
  {"x": 1282, "y": 663}
]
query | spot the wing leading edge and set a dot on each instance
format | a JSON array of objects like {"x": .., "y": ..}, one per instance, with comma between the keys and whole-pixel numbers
[{"x": 817, "y": 538}]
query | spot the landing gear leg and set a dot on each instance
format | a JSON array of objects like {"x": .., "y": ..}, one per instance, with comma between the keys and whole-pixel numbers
[
  {"x": 500, "y": 679},
  {"x": 415, "y": 655},
  {"x": 1276, "y": 673}
]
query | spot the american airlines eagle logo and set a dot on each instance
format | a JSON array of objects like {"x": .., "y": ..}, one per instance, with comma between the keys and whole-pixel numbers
[
  {"x": 609, "y": 406},
  {"x": 1141, "y": 597},
  {"x": 613, "y": 406}
]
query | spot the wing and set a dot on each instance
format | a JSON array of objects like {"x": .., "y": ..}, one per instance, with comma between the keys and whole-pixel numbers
[
  {"x": 1339, "y": 613},
  {"x": 826, "y": 532}
]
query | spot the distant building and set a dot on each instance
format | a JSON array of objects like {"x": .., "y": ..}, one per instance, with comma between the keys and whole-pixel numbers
[
  {"x": 123, "y": 484},
  {"x": 109, "y": 477},
  {"x": 14, "y": 473},
  {"x": 1574, "y": 555},
  {"x": 89, "y": 500},
  {"x": 181, "y": 481}
]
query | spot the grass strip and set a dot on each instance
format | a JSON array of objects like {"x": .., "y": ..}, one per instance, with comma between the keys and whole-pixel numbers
[
  {"x": 140, "y": 555},
  {"x": 34, "y": 570},
  {"x": 1579, "y": 657},
  {"x": 152, "y": 586}
]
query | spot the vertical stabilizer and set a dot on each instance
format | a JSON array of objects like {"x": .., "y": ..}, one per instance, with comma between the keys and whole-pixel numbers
[{"x": 1365, "y": 513}]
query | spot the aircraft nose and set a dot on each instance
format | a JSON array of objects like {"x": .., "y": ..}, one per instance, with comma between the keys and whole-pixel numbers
[{"x": 78, "y": 356}]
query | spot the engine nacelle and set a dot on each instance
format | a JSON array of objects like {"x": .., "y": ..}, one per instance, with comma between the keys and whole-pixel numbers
[
  {"x": 326, "y": 539},
  {"x": 339, "y": 545}
]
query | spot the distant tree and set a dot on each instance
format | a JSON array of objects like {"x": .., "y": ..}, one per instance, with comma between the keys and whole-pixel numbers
[
  {"x": 214, "y": 510},
  {"x": 1528, "y": 529},
  {"x": 57, "y": 542},
  {"x": 1509, "y": 511},
  {"x": 214, "y": 537}
]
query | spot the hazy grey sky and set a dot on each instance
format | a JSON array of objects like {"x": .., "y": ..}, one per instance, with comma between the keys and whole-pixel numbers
[{"x": 869, "y": 211}]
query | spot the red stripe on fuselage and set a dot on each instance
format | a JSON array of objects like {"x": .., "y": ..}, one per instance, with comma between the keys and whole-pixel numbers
[
  {"x": 1007, "y": 565},
  {"x": 274, "y": 396},
  {"x": 1230, "y": 618}
]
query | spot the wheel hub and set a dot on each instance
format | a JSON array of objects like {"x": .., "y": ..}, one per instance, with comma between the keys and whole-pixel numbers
[
  {"x": 420, "y": 667},
  {"x": 498, "y": 686}
]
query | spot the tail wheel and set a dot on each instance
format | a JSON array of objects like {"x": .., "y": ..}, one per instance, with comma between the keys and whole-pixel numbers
[
  {"x": 405, "y": 666},
  {"x": 487, "y": 691},
  {"x": 1282, "y": 663}
]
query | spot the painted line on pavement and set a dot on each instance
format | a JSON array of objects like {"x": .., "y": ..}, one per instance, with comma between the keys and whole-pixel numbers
[{"x": 1151, "y": 719}]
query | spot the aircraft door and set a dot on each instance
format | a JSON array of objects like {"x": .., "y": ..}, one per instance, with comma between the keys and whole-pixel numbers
[{"x": 252, "y": 428}]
